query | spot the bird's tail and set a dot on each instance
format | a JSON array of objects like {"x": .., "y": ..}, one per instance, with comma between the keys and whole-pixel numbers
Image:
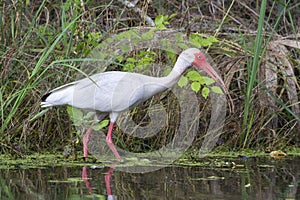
[
  {"x": 59, "y": 96},
  {"x": 44, "y": 102}
]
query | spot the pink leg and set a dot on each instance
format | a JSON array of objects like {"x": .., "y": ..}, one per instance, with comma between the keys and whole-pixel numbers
[
  {"x": 85, "y": 177},
  {"x": 107, "y": 181},
  {"x": 110, "y": 142},
  {"x": 85, "y": 141}
]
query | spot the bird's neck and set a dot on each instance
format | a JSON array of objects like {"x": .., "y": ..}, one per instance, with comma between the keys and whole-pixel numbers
[{"x": 174, "y": 76}]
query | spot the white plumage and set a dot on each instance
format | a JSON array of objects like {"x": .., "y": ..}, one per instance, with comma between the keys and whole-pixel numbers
[{"x": 115, "y": 91}]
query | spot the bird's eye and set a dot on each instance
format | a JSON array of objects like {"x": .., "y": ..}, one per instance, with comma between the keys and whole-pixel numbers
[{"x": 199, "y": 57}]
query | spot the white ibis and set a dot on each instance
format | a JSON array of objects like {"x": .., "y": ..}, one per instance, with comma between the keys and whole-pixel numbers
[{"x": 115, "y": 91}]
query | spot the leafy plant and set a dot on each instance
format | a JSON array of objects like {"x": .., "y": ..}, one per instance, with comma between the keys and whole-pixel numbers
[
  {"x": 198, "y": 41},
  {"x": 197, "y": 82},
  {"x": 194, "y": 77},
  {"x": 143, "y": 58},
  {"x": 80, "y": 120},
  {"x": 162, "y": 20}
]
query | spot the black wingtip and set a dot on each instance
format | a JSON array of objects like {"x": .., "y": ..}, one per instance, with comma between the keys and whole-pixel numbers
[{"x": 45, "y": 96}]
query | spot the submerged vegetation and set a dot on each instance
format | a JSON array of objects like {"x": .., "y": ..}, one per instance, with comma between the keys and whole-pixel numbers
[{"x": 254, "y": 44}]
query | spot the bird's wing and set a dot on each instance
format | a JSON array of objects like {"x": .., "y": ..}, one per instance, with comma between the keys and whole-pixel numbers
[
  {"x": 81, "y": 84},
  {"x": 105, "y": 92},
  {"x": 97, "y": 92},
  {"x": 64, "y": 86}
]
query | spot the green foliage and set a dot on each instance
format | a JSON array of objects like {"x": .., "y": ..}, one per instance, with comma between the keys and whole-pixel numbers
[
  {"x": 217, "y": 90},
  {"x": 198, "y": 41},
  {"x": 183, "y": 81},
  {"x": 93, "y": 39},
  {"x": 101, "y": 125},
  {"x": 162, "y": 20},
  {"x": 205, "y": 92},
  {"x": 81, "y": 120},
  {"x": 148, "y": 35},
  {"x": 76, "y": 115},
  {"x": 252, "y": 69},
  {"x": 195, "y": 76},
  {"x": 195, "y": 86},
  {"x": 197, "y": 82},
  {"x": 141, "y": 59}
]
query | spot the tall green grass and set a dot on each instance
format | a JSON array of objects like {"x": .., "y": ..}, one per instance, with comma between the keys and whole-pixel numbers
[
  {"x": 253, "y": 65},
  {"x": 35, "y": 59},
  {"x": 254, "y": 60},
  {"x": 14, "y": 99}
]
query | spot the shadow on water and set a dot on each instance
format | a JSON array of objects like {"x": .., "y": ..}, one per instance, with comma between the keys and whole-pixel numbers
[{"x": 254, "y": 178}]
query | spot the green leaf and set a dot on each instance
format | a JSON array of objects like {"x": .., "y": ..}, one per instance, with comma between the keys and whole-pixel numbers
[
  {"x": 194, "y": 76},
  {"x": 88, "y": 115},
  {"x": 166, "y": 45},
  {"x": 132, "y": 60},
  {"x": 134, "y": 34},
  {"x": 78, "y": 132},
  {"x": 197, "y": 40},
  {"x": 76, "y": 115},
  {"x": 125, "y": 48},
  {"x": 171, "y": 16},
  {"x": 207, "y": 80},
  {"x": 205, "y": 92},
  {"x": 120, "y": 58},
  {"x": 212, "y": 39},
  {"x": 144, "y": 61},
  {"x": 179, "y": 37},
  {"x": 217, "y": 90},
  {"x": 101, "y": 125},
  {"x": 171, "y": 56},
  {"x": 135, "y": 41},
  {"x": 124, "y": 35},
  {"x": 128, "y": 67},
  {"x": 195, "y": 86},
  {"x": 160, "y": 26},
  {"x": 207, "y": 41},
  {"x": 183, "y": 81},
  {"x": 148, "y": 35},
  {"x": 194, "y": 40},
  {"x": 159, "y": 20},
  {"x": 182, "y": 45}
]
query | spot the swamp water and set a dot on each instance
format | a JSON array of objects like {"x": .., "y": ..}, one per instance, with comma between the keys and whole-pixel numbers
[{"x": 222, "y": 178}]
